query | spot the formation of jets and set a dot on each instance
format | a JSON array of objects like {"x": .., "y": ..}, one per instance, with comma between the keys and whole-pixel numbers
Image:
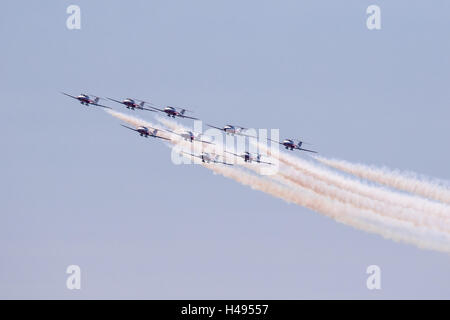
[{"x": 133, "y": 104}]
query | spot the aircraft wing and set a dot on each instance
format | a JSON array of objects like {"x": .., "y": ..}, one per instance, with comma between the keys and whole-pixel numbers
[
  {"x": 191, "y": 154},
  {"x": 183, "y": 116},
  {"x": 203, "y": 141},
  {"x": 214, "y": 127},
  {"x": 69, "y": 95},
  {"x": 162, "y": 110},
  {"x": 147, "y": 109},
  {"x": 274, "y": 141},
  {"x": 160, "y": 137},
  {"x": 129, "y": 128},
  {"x": 306, "y": 150},
  {"x": 99, "y": 105},
  {"x": 237, "y": 155},
  {"x": 115, "y": 100}
]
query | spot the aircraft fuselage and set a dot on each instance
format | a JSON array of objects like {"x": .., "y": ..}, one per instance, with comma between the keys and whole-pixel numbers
[
  {"x": 143, "y": 131},
  {"x": 171, "y": 112},
  {"x": 84, "y": 100},
  {"x": 229, "y": 129}
]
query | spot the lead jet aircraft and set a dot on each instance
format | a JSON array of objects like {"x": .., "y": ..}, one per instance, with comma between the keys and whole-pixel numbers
[
  {"x": 292, "y": 144},
  {"x": 86, "y": 100}
]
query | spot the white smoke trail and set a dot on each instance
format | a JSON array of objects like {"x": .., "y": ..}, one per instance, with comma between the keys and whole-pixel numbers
[
  {"x": 425, "y": 206},
  {"x": 382, "y": 208},
  {"x": 359, "y": 218},
  {"x": 134, "y": 121},
  {"x": 408, "y": 182},
  {"x": 292, "y": 178},
  {"x": 342, "y": 205}
]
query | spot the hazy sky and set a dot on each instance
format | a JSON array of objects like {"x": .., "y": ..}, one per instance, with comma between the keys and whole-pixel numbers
[{"x": 79, "y": 189}]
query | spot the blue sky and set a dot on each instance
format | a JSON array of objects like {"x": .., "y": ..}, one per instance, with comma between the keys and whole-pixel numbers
[{"x": 79, "y": 189}]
